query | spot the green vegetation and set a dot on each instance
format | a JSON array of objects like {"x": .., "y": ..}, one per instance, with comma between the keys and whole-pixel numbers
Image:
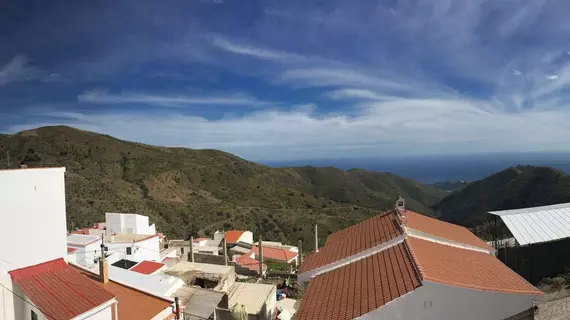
[
  {"x": 516, "y": 187},
  {"x": 187, "y": 191}
]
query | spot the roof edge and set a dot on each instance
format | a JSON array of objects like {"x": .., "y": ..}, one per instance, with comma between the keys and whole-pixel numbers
[
  {"x": 429, "y": 237},
  {"x": 536, "y": 292},
  {"x": 307, "y": 275},
  {"x": 123, "y": 284}
]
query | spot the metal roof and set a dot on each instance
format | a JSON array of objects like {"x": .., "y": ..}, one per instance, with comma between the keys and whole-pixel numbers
[{"x": 537, "y": 224}]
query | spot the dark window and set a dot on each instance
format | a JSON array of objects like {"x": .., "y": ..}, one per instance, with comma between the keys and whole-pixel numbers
[
  {"x": 129, "y": 250},
  {"x": 34, "y": 315}
]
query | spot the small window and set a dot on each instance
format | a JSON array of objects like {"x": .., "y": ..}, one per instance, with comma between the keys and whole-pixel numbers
[
  {"x": 129, "y": 250},
  {"x": 34, "y": 315}
]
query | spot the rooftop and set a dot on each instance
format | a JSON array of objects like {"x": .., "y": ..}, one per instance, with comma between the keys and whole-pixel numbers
[
  {"x": 466, "y": 268},
  {"x": 246, "y": 261},
  {"x": 443, "y": 229},
  {"x": 360, "y": 287},
  {"x": 233, "y": 236},
  {"x": 65, "y": 292},
  {"x": 147, "y": 267},
  {"x": 274, "y": 253},
  {"x": 133, "y": 304},
  {"x": 197, "y": 302},
  {"x": 128, "y": 238},
  {"x": 251, "y": 295},
  {"x": 364, "y": 235},
  {"x": 186, "y": 266},
  {"x": 81, "y": 239},
  {"x": 537, "y": 224}
]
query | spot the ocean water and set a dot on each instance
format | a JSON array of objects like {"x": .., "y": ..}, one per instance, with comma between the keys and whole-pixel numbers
[{"x": 435, "y": 168}]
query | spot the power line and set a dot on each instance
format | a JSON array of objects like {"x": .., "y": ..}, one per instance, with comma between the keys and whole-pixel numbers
[{"x": 28, "y": 302}]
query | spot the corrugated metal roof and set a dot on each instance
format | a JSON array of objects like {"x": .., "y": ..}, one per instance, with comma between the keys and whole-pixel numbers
[
  {"x": 251, "y": 295},
  {"x": 537, "y": 224}
]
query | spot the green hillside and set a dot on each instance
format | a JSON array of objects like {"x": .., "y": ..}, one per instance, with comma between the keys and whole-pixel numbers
[
  {"x": 516, "y": 187},
  {"x": 188, "y": 191}
]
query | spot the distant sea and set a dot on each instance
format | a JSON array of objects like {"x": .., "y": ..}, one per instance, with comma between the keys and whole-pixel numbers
[{"x": 436, "y": 168}]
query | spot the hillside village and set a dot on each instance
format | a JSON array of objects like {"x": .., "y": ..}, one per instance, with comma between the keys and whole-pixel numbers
[{"x": 398, "y": 264}]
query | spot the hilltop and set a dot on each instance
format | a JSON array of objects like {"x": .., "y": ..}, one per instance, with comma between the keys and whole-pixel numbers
[
  {"x": 515, "y": 187},
  {"x": 187, "y": 191}
]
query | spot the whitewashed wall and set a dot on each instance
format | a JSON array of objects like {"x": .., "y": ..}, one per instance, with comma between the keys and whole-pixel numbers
[
  {"x": 13, "y": 307},
  {"x": 85, "y": 255},
  {"x": 434, "y": 301},
  {"x": 246, "y": 237},
  {"x": 148, "y": 249},
  {"x": 32, "y": 207},
  {"x": 128, "y": 223}
]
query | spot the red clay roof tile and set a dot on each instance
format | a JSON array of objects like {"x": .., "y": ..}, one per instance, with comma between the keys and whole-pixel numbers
[
  {"x": 466, "y": 268},
  {"x": 147, "y": 267},
  {"x": 132, "y": 303},
  {"x": 274, "y": 253},
  {"x": 249, "y": 263},
  {"x": 443, "y": 229},
  {"x": 360, "y": 287},
  {"x": 233, "y": 236},
  {"x": 354, "y": 239},
  {"x": 58, "y": 290}
]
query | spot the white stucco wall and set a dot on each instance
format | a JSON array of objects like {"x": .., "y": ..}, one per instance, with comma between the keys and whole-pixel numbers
[
  {"x": 128, "y": 223},
  {"x": 15, "y": 307},
  {"x": 103, "y": 312},
  {"x": 85, "y": 255},
  {"x": 32, "y": 209},
  {"x": 434, "y": 301},
  {"x": 246, "y": 237},
  {"x": 148, "y": 249}
]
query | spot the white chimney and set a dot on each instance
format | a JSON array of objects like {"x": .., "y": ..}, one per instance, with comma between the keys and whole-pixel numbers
[{"x": 401, "y": 204}]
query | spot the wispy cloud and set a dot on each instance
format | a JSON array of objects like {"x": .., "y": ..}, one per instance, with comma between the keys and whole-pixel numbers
[
  {"x": 104, "y": 97},
  {"x": 16, "y": 70}
]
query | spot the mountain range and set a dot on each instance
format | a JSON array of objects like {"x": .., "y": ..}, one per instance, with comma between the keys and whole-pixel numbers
[
  {"x": 195, "y": 192},
  {"x": 186, "y": 191}
]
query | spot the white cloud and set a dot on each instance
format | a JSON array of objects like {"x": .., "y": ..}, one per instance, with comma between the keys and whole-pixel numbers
[
  {"x": 517, "y": 73},
  {"x": 552, "y": 77},
  {"x": 104, "y": 97},
  {"x": 17, "y": 69}
]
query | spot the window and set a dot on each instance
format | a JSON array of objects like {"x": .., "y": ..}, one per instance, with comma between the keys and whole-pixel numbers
[
  {"x": 34, "y": 315},
  {"x": 129, "y": 250}
]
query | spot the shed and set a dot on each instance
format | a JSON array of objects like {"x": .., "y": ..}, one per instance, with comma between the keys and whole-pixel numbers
[{"x": 542, "y": 240}]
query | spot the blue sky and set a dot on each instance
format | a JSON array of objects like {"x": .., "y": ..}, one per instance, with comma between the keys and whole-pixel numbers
[{"x": 282, "y": 80}]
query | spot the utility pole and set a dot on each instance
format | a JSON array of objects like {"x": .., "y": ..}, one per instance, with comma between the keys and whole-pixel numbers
[
  {"x": 260, "y": 258},
  {"x": 8, "y": 158},
  {"x": 225, "y": 250},
  {"x": 191, "y": 252},
  {"x": 300, "y": 248}
]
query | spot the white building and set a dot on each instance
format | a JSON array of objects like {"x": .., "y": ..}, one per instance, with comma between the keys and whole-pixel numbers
[
  {"x": 128, "y": 223},
  {"x": 32, "y": 208},
  {"x": 404, "y": 265},
  {"x": 135, "y": 247},
  {"x": 259, "y": 300},
  {"x": 86, "y": 249}
]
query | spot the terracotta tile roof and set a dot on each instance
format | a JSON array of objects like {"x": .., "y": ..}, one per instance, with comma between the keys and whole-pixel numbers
[
  {"x": 249, "y": 263},
  {"x": 233, "y": 236},
  {"x": 58, "y": 290},
  {"x": 360, "y": 287},
  {"x": 354, "y": 239},
  {"x": 71, "y": 250},
  {"x": 147, "y": 267},
  {"x": 466, "y": 268},
  {"x": 84, "y": 231},
  {"x": 443, "y": 229},
  {"x": 133, "y": 304},
  {"x": 274, "y": 253}
]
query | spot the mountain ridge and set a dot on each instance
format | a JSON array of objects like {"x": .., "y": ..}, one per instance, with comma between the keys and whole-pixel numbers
[{"x": 186, "y": 191}]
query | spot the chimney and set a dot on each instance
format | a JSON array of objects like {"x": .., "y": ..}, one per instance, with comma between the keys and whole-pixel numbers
[
  {"x": 260, "y": 258},
  {"x": 300, "y": 247},
  {"x": 400, "y": 204},
  {"x": 191, "y": 252},
  {"x": 103, "y": 265},
  {"x": 316, "y": 238}
]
